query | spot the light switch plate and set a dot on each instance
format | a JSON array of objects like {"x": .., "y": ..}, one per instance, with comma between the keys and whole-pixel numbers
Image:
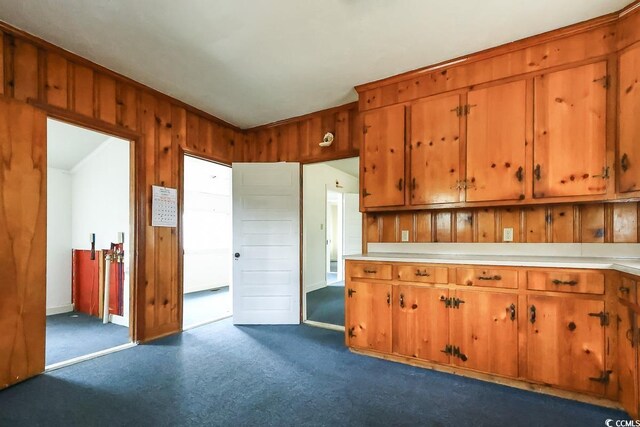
[
  {"x": 507, "y": 234},
  {"x": 405, "y": 235}
]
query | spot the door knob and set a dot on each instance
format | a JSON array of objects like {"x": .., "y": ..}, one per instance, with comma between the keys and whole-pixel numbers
[{"x": 237, "y": 255}]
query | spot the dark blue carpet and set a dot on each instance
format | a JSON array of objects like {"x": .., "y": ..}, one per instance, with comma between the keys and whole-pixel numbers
[
  {"x": 326, "y": 305},
  {"x": 75, "y": 334},
  {"x": 222, "y": 375}
]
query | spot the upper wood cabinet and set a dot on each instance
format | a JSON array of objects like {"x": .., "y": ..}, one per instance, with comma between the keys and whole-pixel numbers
[
  {"x": 496, "y": 143},
  {"x": 570, "y": 132},
  {"x": 435, "y": 151},
  {"x": 628, "y": 167},
  {"x": 383, "y": 157}
]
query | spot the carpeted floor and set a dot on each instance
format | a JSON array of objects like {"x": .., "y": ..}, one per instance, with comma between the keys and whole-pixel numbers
[
  {"x": 222, "y": 375},
  {"x": 326, "y": 305},
  {"x": 74, "y": 334},
  {"x": 204, "y": 306}
]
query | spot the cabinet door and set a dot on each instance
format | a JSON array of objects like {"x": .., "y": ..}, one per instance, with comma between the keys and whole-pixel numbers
[
  {"x": 383, "y": 157},
  {"x": 627, "y": 359},
  {"x": 420, "y": 322},
  {"x": 369, "y": 315},
  {"x": 629, "y": 140},
  {"x": 565, "y": 342},
  {"x": 484, "y": 327},
  {"x": 570, "y": 132},
  {"x": 496, "y": 140},
  {"x": 435, "y": 151}
]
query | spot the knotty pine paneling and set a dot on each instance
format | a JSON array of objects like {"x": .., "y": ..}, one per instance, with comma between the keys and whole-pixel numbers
[
  {"x": 298, "y": 139},
  {"x": 35, "y": 71},
  {"x": 599, "y": 223}
]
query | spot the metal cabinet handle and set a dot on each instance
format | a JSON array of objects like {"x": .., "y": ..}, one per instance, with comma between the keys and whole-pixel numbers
[
  {"x": 496, "y": 277},
  {"x": 400, "y": 185},
  {"x": 422, "y": 273},
  {"x": 566, "y": 282},
  {"x": 512, "y": 311},
  {"x": 624, "y": 162},
  {"x": 520, "y": 174},
  {"x": 388, "y": 298},
  {"x": 537, "y": 173},
  {"x": 532, "y": 314},
  {"x": 401, "y": 301},
  {"x": 624, "y": 289},
  {"x": 369, "y": 271}
]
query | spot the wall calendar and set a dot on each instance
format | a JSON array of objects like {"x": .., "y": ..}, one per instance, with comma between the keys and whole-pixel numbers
[{"x": 164, "y": 207}]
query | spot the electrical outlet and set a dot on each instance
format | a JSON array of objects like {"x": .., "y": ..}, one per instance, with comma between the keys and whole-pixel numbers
[
  {"x": 405, "y": 235},
  {"x": 507, "y": 234}
]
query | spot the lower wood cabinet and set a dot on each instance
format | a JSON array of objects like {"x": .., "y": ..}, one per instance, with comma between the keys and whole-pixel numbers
[
  {"x": 628, "y": 337},
  {"x": 368, "y": 315},
  {"x": 566, "y": 343},
  {"x": 421, "y": 322},
  {"x": 484, "y": 326},
  {"x": 580, "y": 337}
]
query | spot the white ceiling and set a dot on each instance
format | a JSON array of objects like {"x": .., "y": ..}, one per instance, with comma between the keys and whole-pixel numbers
[
  {"x": 350, "y": 166},
  {"x": 254, "y": 62},
  {"x": 68, "y": 145}
]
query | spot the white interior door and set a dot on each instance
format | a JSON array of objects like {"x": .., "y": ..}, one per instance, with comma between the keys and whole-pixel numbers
[{"x": 266, "y": 243}]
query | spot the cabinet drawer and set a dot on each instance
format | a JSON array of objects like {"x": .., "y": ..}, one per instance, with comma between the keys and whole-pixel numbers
[
  {"x": 487, "y": 277},
  {"x": 422, "y": 273},
  {"x": 566, "y": 281},
  {"x": 370, "y": 271}
]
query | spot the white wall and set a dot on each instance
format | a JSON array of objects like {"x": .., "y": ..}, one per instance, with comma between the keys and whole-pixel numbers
[
  {"x": 58, "y": 241},
  {"x": 207, "y": 225},
  {"x": 100, "y": 203},
  {"x": 316, "y": 179}
]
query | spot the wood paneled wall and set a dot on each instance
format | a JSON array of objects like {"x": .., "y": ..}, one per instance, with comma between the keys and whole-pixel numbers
[
  {"x": 72, "y": 88},
  {"x": 297, "y": 139},
  {"x": 568, "y": 223}
]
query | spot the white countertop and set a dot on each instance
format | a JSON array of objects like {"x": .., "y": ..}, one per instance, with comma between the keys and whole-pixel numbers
[{"x": 625, "y": 265}]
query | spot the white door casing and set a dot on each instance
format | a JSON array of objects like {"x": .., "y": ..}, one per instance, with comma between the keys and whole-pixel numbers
[{"x": 266, "y": 243}]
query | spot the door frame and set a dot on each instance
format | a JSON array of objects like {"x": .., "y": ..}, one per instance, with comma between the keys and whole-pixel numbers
[
  {"x": 182, "y": 153},
  {"x": 137, "y": 196},
  {"x": 303, "y": 294}
]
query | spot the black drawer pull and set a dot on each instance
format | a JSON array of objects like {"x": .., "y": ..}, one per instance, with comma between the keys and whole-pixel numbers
[
  {"x": 532, "y": 314},
  {"x": 496, "y": 277},
  {"x": 368, "y": 271},
  {"x": 566, "y": 282},
  {"x": 422, "y": 273}
]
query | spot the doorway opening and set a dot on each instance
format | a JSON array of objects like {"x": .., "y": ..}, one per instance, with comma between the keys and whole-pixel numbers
[
  {"x": 332, "y": 228},
  {"x": 89, "y": 243},
  {"x": 207, "y": 242}
]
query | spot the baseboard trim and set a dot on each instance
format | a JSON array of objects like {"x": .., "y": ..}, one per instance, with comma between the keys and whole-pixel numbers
[
  {"x": 60, "y": 309},
  {"x": 197, "y": 325},
  {"x": 315, "y": 286},
  {"x": 323, "y": 325},
  {"x": 84, "y": 358},
  {"x": 509, "y": 382}
]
